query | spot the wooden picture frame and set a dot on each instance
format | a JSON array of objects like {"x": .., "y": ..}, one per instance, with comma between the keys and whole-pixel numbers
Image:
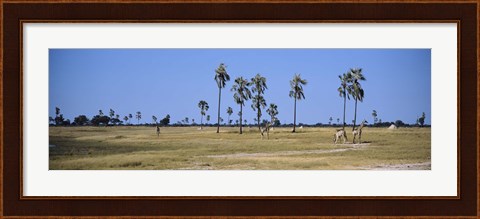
[{"x": 14, "y": 205}]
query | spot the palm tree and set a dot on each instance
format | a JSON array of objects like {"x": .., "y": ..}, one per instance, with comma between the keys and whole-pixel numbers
[
  {"x": 112, "y": 113},
  {"x": 229, "y": 112},
  {"x": 59, "y": 120},
  {"x": 221, "y": 77},
  {"x": 259, "y": 85},
  {"x": 203, "y": 105},
  {"x": 242, "y": 94},
  {"x": 272, "y": 111},
  {"x": 126, "y": 119},
  {"x": 138, "y": 116},
  {"x": 296, "y": 92},
  {"x": 258, "y": 102},
  {"x": 421, "y": 120},
  {"x": 57, "y": 116},
  {"x": 154, "y": 118},
  {"x": 130, "y": 118},
  {"x": 100, "y": 112},
  {"x": 344, "y": 92},
  {"x": 208, "y": 118},
  {"x": 117, "y": 119},
  {"x": 356, "y": 89},
  {"x": 57, "y": 111},
  {"x": 374, "y": 114}
]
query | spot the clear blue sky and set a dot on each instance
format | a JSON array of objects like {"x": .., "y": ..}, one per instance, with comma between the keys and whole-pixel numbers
[{"x": 172, "y": 81}]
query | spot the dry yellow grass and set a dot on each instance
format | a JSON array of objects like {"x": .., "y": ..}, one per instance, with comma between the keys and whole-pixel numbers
[{"x": 131, "y": 147}]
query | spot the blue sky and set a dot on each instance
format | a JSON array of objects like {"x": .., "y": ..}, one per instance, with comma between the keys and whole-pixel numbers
[{"x": 172, "y": 81}]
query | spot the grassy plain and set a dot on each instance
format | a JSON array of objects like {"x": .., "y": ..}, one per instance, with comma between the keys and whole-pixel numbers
[{"x": 131, "y": 147}]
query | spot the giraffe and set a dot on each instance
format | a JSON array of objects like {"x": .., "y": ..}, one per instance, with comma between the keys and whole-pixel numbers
[
  {"x": 358, "y": 131},
  {"x": 266, "y": 129},
  {"x": 340, "y": 134}
]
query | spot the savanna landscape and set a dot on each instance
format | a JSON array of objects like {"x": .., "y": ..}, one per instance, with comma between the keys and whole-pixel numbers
[
  {"x": 187, "y": 148},
  {"x": 331, "y": 118}
]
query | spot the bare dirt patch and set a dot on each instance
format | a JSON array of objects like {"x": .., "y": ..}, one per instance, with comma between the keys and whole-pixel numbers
[
  {"x": 411, "y": 166},
  {"x": 287, "y": 153}
]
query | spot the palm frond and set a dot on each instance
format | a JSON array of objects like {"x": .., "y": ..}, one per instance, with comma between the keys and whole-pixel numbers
[
  {"x": 221, "y": 75},
  {"x": 297, "y": 88},
  {"x": 291, "y": 94},
  {"x": 241, "y": 90}
]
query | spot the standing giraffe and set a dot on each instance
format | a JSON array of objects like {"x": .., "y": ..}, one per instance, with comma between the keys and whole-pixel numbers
[
  {"x": 358, "y": 131},
  {"x": 340, "y": 134},
  {"x": 266, "y": 129}
]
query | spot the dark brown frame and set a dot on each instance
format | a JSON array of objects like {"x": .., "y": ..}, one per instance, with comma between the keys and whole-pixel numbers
[{"x": 14, "y": 13}]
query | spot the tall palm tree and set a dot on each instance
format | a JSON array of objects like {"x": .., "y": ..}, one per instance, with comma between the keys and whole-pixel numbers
[
  {"x": 126, "y": 119},
  {"x": 130, "y": 118},
  {"x": 273, "y": 112},
  {"x": 229, "y": 112},
  {"x": 242, "y": 94},
  {"x": 138, "y": 116},
  {"x": 356, "y": 89},
  {"x": 344, "y": 91},
  {"x": 154, "y": 118},
  {"x": 259, "y": 85},
  {"x": 203, "y": 105},
  {"x": 296, "y": 85},
  {"x": 221, "y": 77}
]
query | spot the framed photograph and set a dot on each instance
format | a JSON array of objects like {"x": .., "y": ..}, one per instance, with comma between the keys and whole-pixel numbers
[{"x": 228, "y": 109}]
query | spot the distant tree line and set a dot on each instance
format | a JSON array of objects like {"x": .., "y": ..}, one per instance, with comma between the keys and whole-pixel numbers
[
  {"x": 103, "y": 120},
  {"x": 113, "y": 120}
]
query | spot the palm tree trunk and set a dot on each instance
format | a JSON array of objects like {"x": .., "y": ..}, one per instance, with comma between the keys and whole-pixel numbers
[
  {"x": 355, "y": 117},
  {"x": 258, "y": 117},
  {"x": 294, "y": 113},
  {"x": 240, "y": 118},
  {"x": 218, "y": 117},
  {"x": 201, "y": 122},
  {"x": 344, "y": 106}
]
